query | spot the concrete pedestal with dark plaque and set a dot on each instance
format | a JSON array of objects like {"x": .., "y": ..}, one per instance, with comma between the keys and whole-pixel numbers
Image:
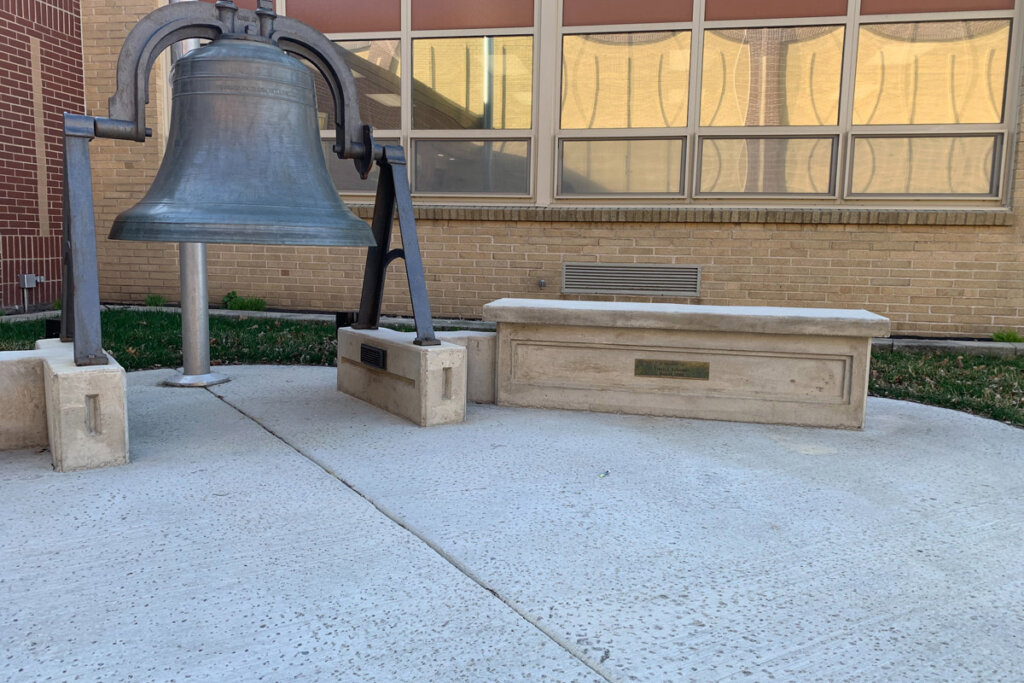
[
  {"x": 424, "y": 384},
  {"x": 799, "y": 366}
]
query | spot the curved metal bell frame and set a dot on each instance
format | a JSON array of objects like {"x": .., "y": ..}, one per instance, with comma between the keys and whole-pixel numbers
[{"x": 244, "y": 162}]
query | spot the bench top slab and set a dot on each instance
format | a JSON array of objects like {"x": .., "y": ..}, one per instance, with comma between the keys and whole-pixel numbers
[{"x": 830, "y": 322}]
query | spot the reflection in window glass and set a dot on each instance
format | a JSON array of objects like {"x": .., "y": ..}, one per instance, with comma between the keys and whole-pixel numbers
[
  {"x": 481, "y": 166},
  {"x": 767, "y": 165},
  {"x": 925, "y": 165},
  {"x": 621, "y": 166},
  {"x": 376, "y": 67},
  {"x": 934, "y": 72},
  {"x": 473, "y": 83},
  {"x": 772, "y": 76},
  {"x": 343, "y": 171},
  {"x": 625, "y": 80}
]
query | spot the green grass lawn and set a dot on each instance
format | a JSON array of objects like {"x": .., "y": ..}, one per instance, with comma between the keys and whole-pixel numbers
[
  {"x": 143, "y": 340},
  {"x": 982, "y": 385}
]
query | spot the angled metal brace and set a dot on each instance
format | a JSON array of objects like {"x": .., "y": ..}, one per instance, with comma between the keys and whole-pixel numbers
[{"x": 393, "y": 191}]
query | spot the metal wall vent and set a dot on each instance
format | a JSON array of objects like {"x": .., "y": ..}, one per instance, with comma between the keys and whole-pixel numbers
[{"x": 630, "y": 278}]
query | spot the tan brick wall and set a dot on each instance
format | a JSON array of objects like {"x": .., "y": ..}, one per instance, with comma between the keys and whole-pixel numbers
[
  {"x": 963, "y": 277},
  {"x": 936, "y": 280},
  {"x": 122, "y": 170}
]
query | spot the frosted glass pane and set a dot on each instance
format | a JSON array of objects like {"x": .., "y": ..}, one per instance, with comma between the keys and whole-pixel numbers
[
  {"x": 772, "y": 76},
  {"x": 931, "y": 72},
  {"x": 925, "y": 165},
  {"x": 621, "y": 166},
  {"x": 625, "y": 80},
  {"x": 767, "y": 165}
]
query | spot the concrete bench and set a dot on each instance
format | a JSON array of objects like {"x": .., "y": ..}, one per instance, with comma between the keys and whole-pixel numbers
[{"x": 800, "y": 366}]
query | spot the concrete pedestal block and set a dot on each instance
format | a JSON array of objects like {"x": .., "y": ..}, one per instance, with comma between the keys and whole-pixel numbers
[
  {"x": 480, "y": 349},
  {"x": 22, "y": 400},
  {"x": 86, "y": 413},
  {"x": 747, "y": 364},
  {"x": 79, "y": 411},
  {"x": 424, "y": 384}
]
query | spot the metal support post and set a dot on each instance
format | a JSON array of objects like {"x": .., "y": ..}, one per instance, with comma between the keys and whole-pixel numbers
[
  {"x": 80, "y": 308},
  {"x": 195, "y": 321},
  {"x": 195, "y": 305},
  {"x": 392, "y": 190}
]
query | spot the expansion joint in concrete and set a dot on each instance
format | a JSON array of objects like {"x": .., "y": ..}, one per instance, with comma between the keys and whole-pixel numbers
[{"x": 447, "y": 557}]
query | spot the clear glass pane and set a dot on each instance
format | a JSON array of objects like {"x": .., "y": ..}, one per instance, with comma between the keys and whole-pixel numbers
[
  {"x": 469, "y": 83},
  {"x": 477, "y": 166},
  {"x": 625, "y": 80},
  {"x": 621, "y": 166},
  {"x": 933, "y": 72},
  {"x": 343, "y": 171},
  {"x": 925, "y": 165},
  {"x": 767, "y": 165},
  {"x": 376, "y": 66},
  {"x": 772, "y": 76}
]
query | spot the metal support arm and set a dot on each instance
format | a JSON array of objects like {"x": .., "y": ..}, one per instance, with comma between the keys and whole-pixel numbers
[
  {"x": 80, "y": 307},
  {"x": 393, "y": 191}
]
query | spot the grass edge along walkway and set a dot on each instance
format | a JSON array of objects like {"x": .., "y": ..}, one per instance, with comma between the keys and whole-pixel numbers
[{"x": 987, "y": 386}]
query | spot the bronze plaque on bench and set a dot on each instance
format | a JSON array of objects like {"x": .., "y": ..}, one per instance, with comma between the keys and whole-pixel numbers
[{"x": 678, "y": 369}]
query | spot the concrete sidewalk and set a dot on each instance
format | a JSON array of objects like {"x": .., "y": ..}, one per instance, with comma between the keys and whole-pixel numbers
[{"x": 274, "y": 529}]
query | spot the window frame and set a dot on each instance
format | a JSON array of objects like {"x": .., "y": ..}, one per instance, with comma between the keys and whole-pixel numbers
[{"x": 545, "y": 136}]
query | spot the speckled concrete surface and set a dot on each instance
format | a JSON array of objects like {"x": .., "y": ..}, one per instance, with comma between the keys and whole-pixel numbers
[{"x": 524, "y": 544}]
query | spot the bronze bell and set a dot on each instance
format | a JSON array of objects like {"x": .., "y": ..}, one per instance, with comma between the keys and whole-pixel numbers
[{"x": 244, "y": 163}]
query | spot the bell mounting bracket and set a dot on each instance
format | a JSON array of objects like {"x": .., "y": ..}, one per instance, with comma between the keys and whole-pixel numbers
[{"x": 158, "y": 30}]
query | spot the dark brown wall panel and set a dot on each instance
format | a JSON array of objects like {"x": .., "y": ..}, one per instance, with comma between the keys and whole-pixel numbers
[
  {"x": 438, "y": 15},
  {"x": 348, "y": 16},
  {"x": 725, "y": 10},
  {"x": 908, "y": 6},
  {"x": 595, "y": 12}
]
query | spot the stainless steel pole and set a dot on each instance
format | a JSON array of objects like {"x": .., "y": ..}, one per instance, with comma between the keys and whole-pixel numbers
[
  {"x": 195, "y": 321},
  {"x": 195, "y": 307}
]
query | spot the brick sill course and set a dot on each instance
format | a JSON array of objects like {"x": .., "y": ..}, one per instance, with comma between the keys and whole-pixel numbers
[{"x": 689, "y": 214}]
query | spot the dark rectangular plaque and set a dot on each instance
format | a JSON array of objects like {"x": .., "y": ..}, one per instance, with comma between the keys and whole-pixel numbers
[
  {"x": 677, "y": 369},
  {"x": 373, "y": 356}
]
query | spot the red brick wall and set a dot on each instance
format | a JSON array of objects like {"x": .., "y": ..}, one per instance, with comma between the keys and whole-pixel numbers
[{"x": 30, "y": 233}]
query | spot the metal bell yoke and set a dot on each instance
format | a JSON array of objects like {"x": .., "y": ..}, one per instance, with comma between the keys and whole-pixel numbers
[{"x": 243, "y": 162}]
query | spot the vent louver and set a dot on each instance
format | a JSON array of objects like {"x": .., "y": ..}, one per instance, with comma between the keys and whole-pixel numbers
[{"x": 630, "y": 278}]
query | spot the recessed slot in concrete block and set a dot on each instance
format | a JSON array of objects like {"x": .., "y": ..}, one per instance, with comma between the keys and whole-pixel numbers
[
  {"x": 446, "y": 384},
  {"x": 93, "y": 421}
]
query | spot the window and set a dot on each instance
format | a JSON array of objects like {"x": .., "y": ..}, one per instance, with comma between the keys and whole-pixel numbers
[
  {"x": 936, "y": 72},
  {"x": 737, "y": 102},
  {"x": 479, "y": 82},
  {"x": 929, "y": 81},
  {"x": 616, "y": 87},
  {"x": 785, "y": 76},
  {"x": 782, "y": 77}
]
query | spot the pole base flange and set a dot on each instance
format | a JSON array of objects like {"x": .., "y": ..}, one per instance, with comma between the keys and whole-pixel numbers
[{"x": 207, "y": 380}]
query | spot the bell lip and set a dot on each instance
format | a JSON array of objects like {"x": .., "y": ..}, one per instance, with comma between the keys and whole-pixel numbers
[{"x": 227, "y": 233}]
